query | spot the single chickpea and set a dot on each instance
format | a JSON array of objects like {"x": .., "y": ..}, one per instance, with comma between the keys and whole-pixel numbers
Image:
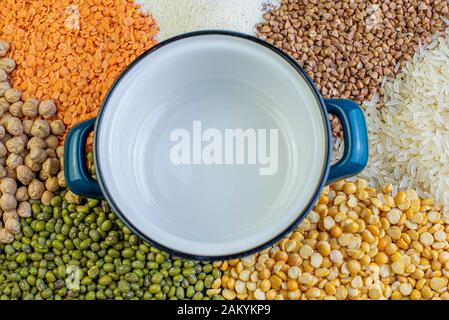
[
  {"x": 31, "y": 164},
  {"x": 29, "y": 107},
  {"x": 15, "y": 145},
  {"x": 52, "y": 142},
  {"x": 2, "y": 132},
  {"x": 35, "y": 189},
  {"x": 61, "y": 179},
  {"x": 4, "y": 47},
  {"x": 7, "y": 64},
  {"x": 14, "y": 126},
  {"x": 36, "y": 142},
  {"x": 16, "y": 109},
  {"x": 4, "y": 86},
  {"x": 8, "y": 202},
  {"x": 22, "y": 194},
  {"x": 24, "y": 210},
  {"x": 57, "y": 127},
  {"x": 13, "y": 161},
  {"x": 3, "y": 76},
  {"x": 38, "y": 155},
  {"x": 40, "y": 129},
  {"x": 8, "y": 185},
  {"x": 52, "y": 184},
  {"x": 27, "y": 124},
  {"x": 24, "y": 174},
  {"x": 47, "y": 108},
  {"x": 5, "y": 236}
]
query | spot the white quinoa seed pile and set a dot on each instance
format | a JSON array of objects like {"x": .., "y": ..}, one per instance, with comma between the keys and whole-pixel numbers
[{"x": 175, "y": 17}]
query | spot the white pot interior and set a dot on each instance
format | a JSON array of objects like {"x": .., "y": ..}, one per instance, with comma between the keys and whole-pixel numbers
[{"x": 225, "y": 82}]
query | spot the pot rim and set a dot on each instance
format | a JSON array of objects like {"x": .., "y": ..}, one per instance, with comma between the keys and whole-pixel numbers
[{"x": 301, "y": 215}]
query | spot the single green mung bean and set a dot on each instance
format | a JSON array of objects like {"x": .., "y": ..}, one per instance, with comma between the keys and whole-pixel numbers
[
  {"x": 157, "y": 277},
  {"x": 105, "y": 280},
  {"x": 131, "y": 277},
  {"x": 190, "y": 291},
  {"x": 124, "y": 286},
  {"x": 180, "y": 293},
  {"x": 155, "y": 288},
  {"x": 128, "y": 253}
]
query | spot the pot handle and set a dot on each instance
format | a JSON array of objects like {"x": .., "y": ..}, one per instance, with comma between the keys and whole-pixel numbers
[
  {"x": 355, "y": 156},
  {"x": 76, "y": 175}
]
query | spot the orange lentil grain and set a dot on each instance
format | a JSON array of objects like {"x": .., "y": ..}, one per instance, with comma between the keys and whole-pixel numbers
[{"x": 73, "y": 50}]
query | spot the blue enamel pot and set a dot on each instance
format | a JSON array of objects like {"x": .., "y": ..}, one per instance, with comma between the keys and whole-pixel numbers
[{"x": 214, "y": 145}]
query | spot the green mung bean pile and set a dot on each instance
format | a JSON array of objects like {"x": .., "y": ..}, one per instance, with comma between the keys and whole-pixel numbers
[{"x": 77, "y": 248}]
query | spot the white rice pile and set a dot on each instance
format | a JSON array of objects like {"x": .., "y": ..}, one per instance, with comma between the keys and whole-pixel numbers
[
  {"x": 409, "y": 133},
  {"x": 179, "y": 16}
]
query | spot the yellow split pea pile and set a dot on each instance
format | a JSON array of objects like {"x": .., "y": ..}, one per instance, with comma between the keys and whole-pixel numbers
[{"x": 357, "y": 243}]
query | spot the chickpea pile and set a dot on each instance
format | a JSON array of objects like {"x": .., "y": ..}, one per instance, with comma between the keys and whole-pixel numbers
[
  {"x": 357, "y": 243},
  {"x": 30, "y": 156}
]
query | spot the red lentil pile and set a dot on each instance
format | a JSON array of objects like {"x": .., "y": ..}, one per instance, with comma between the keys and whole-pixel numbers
[{"x": 72, "y": 50}]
